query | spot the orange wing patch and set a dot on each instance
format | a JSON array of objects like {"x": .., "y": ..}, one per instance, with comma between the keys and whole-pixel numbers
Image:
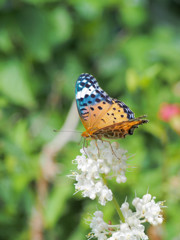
[
  {"x": 102, "y": 115},
  {"x": 115, "y": 114},
  {"x": 94, "y": 113}
]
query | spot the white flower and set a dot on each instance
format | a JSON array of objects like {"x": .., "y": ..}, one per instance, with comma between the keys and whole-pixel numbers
[
  {"x": 127, "y": 233},
  {"x": 99, "y": 227},
  {"x": 147, "y": 208},
  {"x": 96, "y": 161},
  {"x": 132, "y": 229}
]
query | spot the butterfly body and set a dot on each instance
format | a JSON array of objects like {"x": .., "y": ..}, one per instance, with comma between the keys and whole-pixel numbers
[{"x": 101, "y": 115}]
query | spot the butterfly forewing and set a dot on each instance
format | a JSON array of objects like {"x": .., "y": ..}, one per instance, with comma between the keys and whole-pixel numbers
[
  {"x": 91, "y": 100},
  {"x": 118, "y": 112}
]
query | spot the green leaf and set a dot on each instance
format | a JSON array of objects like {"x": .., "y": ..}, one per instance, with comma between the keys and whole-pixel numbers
[
  {"x": 56, "y": 203},
  {"x": 38, "y": 2},
  {"x": 34, "y": 33},
  {"x": 157, "y": 130},
  {"x": 132, "y": 79},
  {"x": 14, "y": 83},
  {"x": 133, "y": 13},
  {"x": 61, "y": 25},
  {"x": 5, "y": 42}
]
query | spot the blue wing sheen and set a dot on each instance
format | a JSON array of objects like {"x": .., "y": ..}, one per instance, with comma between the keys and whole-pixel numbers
[{"x": 88, "y": 93}]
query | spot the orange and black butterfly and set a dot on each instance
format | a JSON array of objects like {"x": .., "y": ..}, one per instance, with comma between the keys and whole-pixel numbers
[{"x": 101, "y": 115}]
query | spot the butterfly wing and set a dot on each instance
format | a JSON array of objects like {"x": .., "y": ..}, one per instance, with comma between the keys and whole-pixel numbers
[
  {"x": 90, "y": 99},
  {"x": 118, "y": 112},
  {"x": 95, "y": 107},
  {"x": 120, "y": 130}
]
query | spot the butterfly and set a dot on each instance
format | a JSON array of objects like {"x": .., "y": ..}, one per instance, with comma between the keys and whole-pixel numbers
[{"x": 101, "y": 115}]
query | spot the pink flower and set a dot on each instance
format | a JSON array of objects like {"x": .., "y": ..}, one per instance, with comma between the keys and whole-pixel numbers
[{"x": 168, "y": 111}]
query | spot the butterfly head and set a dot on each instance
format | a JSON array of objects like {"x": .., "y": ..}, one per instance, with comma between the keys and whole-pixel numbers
[
  {"x": 85, "y": 134},
  {"x": 89, "y": 133}
]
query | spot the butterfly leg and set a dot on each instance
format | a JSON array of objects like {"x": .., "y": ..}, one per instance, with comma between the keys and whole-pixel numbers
[
  {"x": 97, "y": 148},
  {"x": 111, "y": 148},
  {"x": 84, "y": 147}
]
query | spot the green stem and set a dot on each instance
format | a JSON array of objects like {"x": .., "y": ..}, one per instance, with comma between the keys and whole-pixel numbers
[
  {"x": 115, "y": 203},
  {"x": 118, "y": 209}
]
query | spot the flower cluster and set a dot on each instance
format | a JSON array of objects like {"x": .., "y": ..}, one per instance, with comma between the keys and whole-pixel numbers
[
  {"x": 146, "y": 210},
  {"x": 100, "y": 159}
]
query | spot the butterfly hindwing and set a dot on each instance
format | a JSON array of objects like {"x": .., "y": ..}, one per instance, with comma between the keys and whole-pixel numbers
[{"x": 121, "y": 129}]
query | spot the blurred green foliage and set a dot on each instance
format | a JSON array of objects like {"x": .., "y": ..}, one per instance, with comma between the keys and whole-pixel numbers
[{"x": 133, "y": 48}]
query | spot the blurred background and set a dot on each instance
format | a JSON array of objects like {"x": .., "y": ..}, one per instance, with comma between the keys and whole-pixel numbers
[{"x": 132, "y": 47}]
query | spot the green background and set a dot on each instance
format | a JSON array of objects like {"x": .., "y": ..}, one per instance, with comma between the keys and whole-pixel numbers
[{"x": 133, "y": 48}]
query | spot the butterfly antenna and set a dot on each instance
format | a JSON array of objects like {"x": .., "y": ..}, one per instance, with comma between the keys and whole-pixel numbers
[
  {"x": 55, "y": 130},
  {"x": 144, "y": 116}
]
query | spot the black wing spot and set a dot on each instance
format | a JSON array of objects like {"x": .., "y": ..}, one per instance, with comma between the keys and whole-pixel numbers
[
  {"x": 100, "y": 108},
  {"x": 85, "y": 113},
  {"x": 122, "y": 115},
  {"x": 104, "y": 102},
  {"x": 115, "y": 118},
  {"x": 84, "y": 104},
  {"x": 86, "y": 96},
  {"x": 92, "y": 95},
  {"x": 112, "y": 114},
  {"x": 103, "y": 120},
  {"x": 107, "y": 113},
  {"x": 82, "y": 84},
  {"x": 92, "y": 108},
  {"x": 94, "y": 115},
  {"x": 97, "y": 100},
  {"x": 114, "y": 108},
  {"x": 119, "y": 110},
  {"x": 89, "y": 102}
]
